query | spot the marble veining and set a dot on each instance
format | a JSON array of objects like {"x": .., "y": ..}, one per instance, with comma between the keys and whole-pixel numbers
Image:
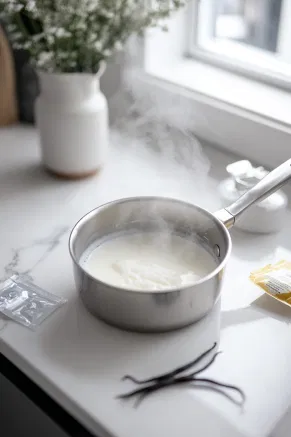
[
  {"x": 3, "y": 324},
  {"x": 47, "y": 245}
]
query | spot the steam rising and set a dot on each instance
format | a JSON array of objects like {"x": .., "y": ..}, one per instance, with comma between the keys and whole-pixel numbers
[{"x": 151, "y": 127}]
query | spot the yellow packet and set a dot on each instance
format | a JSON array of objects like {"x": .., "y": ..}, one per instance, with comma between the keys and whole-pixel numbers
[{"x": 275, "y": 279}]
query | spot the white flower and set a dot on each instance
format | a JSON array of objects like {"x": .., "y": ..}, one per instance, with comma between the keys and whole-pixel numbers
[
  {"x": 107, "y": 14},
  {"x": 17, "y": 35},
  {"x": 98, "y": 46},
  {"x": 51, "y": 30},
  {"x": 27, "y": 45},
  {"x": 107, "y": 53},
  {"x": 11, "y": 27},
  {"x": 58, "y": 32},
  {"x": 91, "y": 39},
  {"x": 63, "y": 55},
  {"x": 30, "y": 6},
  {"x": 62, "y": 33},
  {"x": 80, "y": 26},
  {"x": 44, "y": 58},
  {"x": 118, "y": 46},
  {"x": 37, "y": 37},
  {"x": 13, "y": 7},
  {"x": 91, "y": 5}
]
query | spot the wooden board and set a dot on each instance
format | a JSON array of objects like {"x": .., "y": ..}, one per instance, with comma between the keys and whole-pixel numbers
[{"x": 8, "y": 101}]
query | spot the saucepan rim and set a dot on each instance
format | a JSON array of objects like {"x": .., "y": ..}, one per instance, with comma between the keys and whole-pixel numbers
[{"x": 92, "y": 213}]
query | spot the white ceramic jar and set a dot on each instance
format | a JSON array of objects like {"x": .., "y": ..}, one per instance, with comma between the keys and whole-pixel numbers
[
  {"x": 72, "y": 118},
  {"x": 265, "y": 217}
]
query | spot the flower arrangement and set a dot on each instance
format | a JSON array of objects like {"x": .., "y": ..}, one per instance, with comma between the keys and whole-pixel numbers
[{"x": 76, "y": 35}]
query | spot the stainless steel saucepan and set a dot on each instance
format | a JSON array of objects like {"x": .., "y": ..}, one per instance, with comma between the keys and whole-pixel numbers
[{"x": 153, "y": 311}]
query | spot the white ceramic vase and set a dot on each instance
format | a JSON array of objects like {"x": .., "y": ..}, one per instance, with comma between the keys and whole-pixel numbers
[{"x": 72, "y": 117}]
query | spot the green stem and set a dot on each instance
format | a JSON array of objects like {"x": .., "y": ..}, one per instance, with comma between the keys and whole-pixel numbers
[{"x": 21, "y": 25}]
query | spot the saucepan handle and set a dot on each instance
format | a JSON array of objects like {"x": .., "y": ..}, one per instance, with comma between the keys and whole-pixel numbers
[{"x": 268, "y": 185}]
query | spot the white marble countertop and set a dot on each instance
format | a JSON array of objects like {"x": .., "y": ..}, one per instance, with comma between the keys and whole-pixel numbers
[{"x": 79, "y": 360}]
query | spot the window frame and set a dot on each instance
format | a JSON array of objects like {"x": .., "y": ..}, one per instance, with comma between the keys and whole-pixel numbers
[{"x": 249, "y": 70}]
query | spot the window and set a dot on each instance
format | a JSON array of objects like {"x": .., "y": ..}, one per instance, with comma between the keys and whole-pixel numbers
[
  {"x": 224, "y": 68},
  {"x": 252, "y": 37}
]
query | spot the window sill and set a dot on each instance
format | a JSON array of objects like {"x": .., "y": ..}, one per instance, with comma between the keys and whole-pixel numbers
[
  {"x": 239, "y": 115},
  {"x": 254, "y": 98}
]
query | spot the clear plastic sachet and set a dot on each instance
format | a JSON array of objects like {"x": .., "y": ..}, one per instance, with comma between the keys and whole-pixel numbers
[{"x": 26, "y": 303}]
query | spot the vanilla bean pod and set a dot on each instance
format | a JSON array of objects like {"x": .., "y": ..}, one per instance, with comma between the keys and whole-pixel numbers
[
  {"x": 202, "y": 383},
  {"x": 206, "y": 366},
  {"x": 223, "y": 385},
  {"x": 172, "y": 374},
  {"x": 156, "y": 383}
]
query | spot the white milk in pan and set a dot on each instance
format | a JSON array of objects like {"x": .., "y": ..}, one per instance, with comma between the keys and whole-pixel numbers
[{"x": 148, "y": 261}]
